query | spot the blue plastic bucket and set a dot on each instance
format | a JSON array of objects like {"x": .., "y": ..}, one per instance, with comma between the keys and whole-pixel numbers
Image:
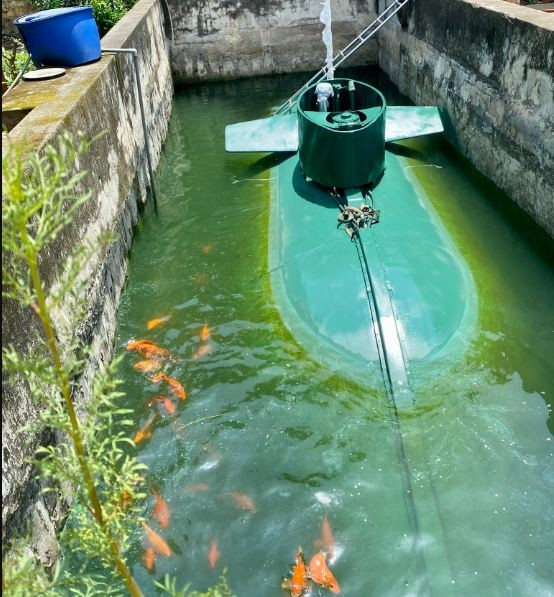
[{"x": 61, "y": 36}]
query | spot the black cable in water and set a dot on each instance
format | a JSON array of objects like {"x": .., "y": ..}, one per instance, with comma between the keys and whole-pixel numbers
[{"x": 405, "y": 474}]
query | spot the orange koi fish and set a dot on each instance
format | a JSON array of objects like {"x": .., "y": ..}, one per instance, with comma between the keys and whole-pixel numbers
[
  {"x": 147, "y": 349},
  {"x": 175, "y": 385},
  {"x": 156, "y": 542},
  {"x": 156, "y": 322},
  {"x": 196, "y": 488},
  {"x": 161, "y": 509},
  {"x": 144, "y": 433},
  {"x": 242, "y": 502},
  {"x": 205, "y": 333},
  {"x": 213, "y": 554},
  {"x": 165, "y": 401},
  {"x": 202, "y": 350},
  {"x": 326, "y": 541},
  {"x": 299, "y": 583},
  {"x": 139, "y": 345},
  {"x": 148, "y": 365},
  {"x": 207, "y": 248},
  {"x": 320, "y": 573},
  {"x": 149, "y": 558}
]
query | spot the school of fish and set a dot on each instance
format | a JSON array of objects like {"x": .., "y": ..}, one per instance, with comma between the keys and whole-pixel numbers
[
  {"x": 301, "y": 574},
  {"x": 153, "y": 360}
]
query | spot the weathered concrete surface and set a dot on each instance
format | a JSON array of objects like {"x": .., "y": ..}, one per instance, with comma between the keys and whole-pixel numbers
[
  {"x": 221, "y": 39},
  {"x": 91, "y": 98},
  {"x": 489, "y": 66},
  {"x": 11, "y": 10}
]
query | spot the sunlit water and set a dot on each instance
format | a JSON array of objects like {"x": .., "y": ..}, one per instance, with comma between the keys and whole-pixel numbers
[{"x": 471, "y": 469}]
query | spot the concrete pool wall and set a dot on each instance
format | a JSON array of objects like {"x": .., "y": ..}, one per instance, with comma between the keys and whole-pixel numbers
[
  {"x": 487, "y": 64},
  {"x": 91, "y": 98}
]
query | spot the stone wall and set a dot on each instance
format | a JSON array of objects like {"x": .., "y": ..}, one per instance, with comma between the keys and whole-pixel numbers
[
  {"x": 91, "y": 98},
  {"x": 220, "y": 39},
  {"x": 489, "y": 66},
  {"x": 11, "y": 10}
]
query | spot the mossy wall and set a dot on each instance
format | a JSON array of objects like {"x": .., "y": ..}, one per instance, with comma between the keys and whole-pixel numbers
[
  {"x": 223, "y": 39},
  {"x": 93, "y": 98},
  {"x": 489, "y": 66}
]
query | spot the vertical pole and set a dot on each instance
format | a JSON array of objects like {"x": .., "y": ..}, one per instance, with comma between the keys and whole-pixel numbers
[
  {"x": 143, "y": 118},
  {"x": 134, "y": 53}
]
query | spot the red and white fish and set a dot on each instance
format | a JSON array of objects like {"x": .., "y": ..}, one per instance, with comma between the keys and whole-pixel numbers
[
  {"x": 326, "y": 542},
  {"x": 319, "y": 572}
]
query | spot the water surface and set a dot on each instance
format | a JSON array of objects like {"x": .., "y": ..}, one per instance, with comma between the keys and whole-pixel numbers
[{"x": 454, "y": 498}]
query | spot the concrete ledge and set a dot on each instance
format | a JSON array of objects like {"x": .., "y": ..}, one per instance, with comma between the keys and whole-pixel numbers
[{"x": 91, "y": 98}]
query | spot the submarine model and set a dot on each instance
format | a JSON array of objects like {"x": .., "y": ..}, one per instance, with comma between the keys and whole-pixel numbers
[{"x": 364, "y": 274}]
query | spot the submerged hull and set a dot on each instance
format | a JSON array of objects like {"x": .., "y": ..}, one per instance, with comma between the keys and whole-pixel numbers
[
  {"x": 387, "y": 295},
  {"x": 401, "y": 286}
]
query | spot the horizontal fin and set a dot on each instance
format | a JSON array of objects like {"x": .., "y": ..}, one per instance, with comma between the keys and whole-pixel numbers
[
  {"x": 280, "y": 132},
  {"x": 411, "y": 121},
  {"x": 276, "y": 133}
]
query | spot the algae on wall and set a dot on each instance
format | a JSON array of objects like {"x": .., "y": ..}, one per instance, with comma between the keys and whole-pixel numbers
[
  {"x": 220, "y": 39},
  {"x": 489, "y": 66}
]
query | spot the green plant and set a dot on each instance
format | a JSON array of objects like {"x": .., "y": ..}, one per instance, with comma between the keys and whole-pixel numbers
[
  {"x": 220, "y": 590},
  {"x": 40, "y": 198},
  {"x": 13, "y": 60},
  {"x": 106, "y": 12},
  {"x": 97, "y": 460}
]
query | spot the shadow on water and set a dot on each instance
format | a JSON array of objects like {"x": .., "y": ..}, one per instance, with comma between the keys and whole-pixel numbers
[
  {"x": 311, "y": 191},
  {"x": 257, "y": 166}
]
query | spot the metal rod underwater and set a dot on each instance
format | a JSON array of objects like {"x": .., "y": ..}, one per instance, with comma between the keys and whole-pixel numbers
[
  {"x": 389, "y": 367},
  {"x": 407, "y": 485},
  {"x": 134, "y": 53}
]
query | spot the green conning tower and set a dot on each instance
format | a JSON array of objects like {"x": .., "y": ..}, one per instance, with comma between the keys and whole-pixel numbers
[{"x": 341, "y": 132}]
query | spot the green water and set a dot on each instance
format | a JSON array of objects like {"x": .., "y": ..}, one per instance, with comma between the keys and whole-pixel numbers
[{"x": 471, "y": 469}]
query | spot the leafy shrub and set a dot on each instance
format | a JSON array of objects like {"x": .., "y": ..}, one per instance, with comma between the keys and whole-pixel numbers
[
  {"x": 106, "y": 12},
  {"x": 13, "y": 59}
]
